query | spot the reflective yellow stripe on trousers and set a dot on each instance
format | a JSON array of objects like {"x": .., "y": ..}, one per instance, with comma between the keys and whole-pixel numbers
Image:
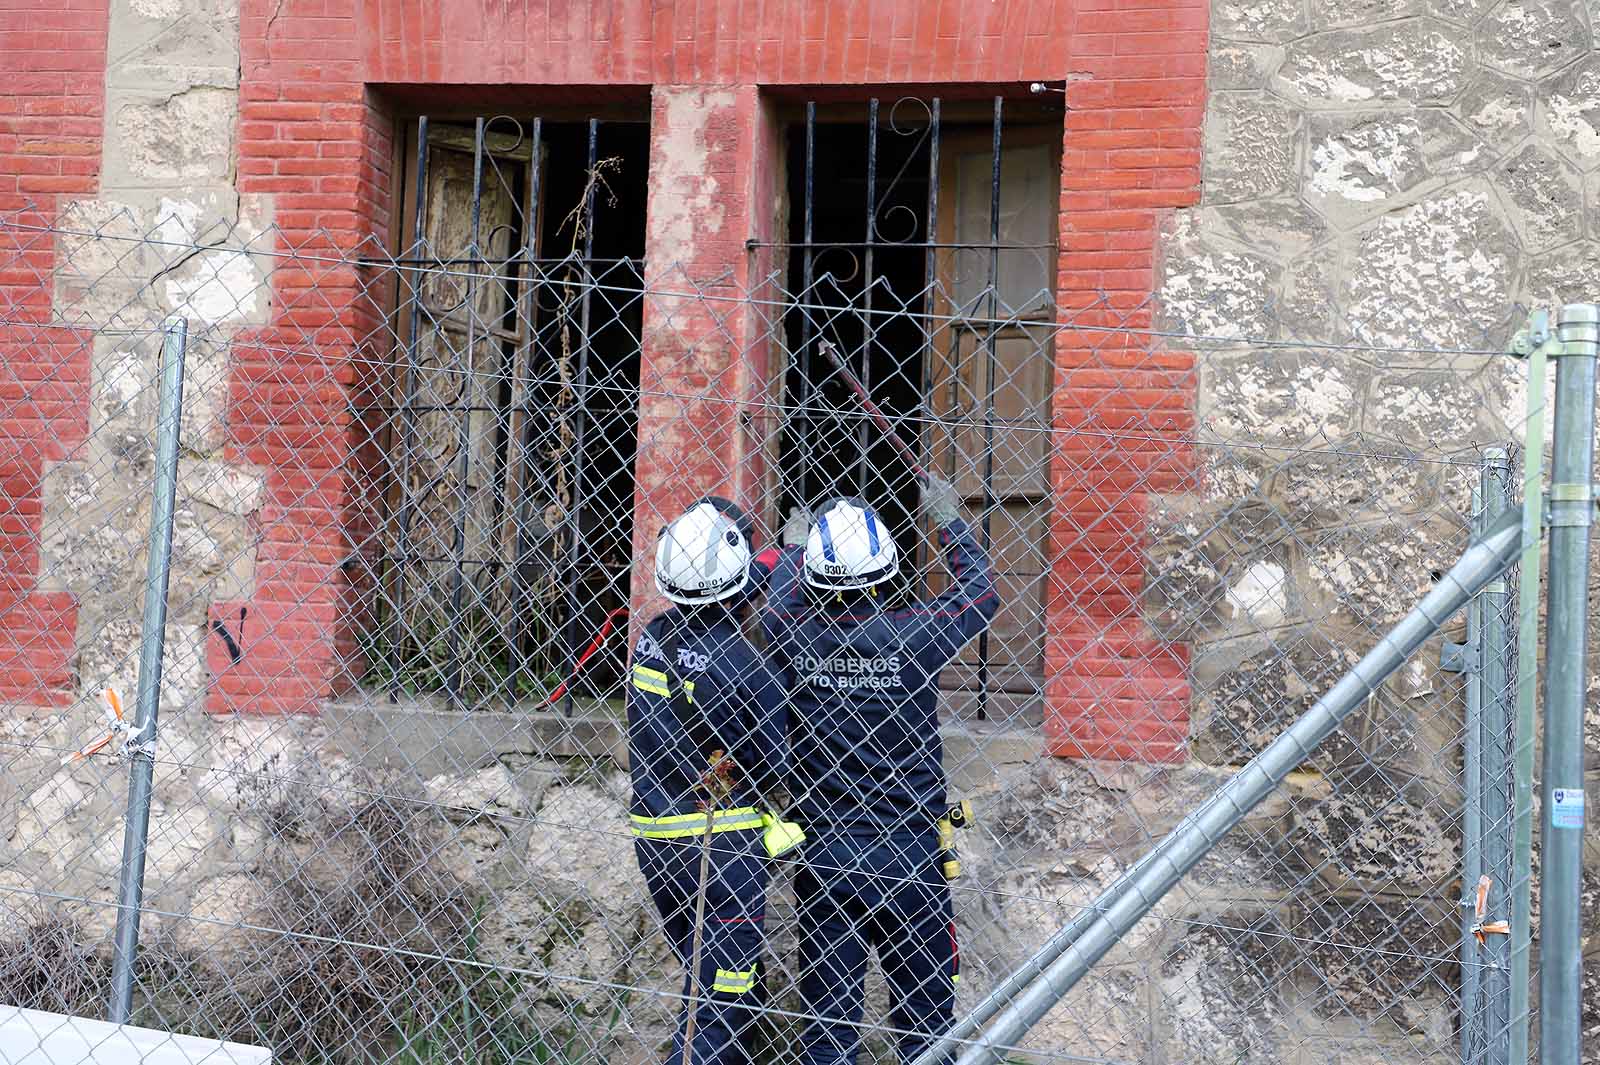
[
  {"x": 734, "y": 983},
  {"x": 655, "y": 682},
  {"x": 676, "y": 826}
]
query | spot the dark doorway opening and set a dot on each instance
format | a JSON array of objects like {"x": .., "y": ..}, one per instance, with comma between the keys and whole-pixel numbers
[{"x": 858, "y": 270}]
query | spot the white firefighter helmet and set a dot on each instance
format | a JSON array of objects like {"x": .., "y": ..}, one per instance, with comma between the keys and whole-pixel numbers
[
  {"x": 849, "y": 548},
  {"x": 702, "y": 557}
]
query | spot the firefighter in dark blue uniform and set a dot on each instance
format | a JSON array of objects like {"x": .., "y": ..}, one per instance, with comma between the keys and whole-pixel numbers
[
  {"x": 868, "y": 782},
  {"x": 698, "y": 687}
]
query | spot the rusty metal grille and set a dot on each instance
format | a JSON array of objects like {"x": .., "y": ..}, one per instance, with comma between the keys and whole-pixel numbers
[{"x": 508, "y": 429}]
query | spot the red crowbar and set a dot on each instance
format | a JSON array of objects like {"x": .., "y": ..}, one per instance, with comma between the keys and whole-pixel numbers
[
  {"x": 874, "y": 412},
  {"x": 588, "y": 652}
]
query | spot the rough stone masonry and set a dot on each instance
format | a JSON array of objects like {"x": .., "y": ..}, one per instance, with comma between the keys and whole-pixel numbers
[{"x": 1408, "y": 175}]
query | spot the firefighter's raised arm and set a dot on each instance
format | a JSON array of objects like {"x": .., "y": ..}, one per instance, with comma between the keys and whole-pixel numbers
[{"x": 969, "y": 604}]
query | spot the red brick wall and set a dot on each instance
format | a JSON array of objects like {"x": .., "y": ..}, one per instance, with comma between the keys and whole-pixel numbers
[
  {"x": 1131, "y": 153},
  {"x": 313, "y": 135},
  {"x": 722, "y": 42},
  {"x": 54, "y": 59}
]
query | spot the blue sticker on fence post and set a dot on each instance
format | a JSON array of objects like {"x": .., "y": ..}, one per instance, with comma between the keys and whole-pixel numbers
[{"x": 1566, "y": 807}]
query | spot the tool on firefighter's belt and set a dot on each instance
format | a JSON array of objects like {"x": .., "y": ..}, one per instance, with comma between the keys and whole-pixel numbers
[
  {"x": 116, "y": 725},
  {"x": 874, "y": 412},
  {"x": 780, "y": 837},
  {"x": 957, "y": 816},
  {"x": 1479, "y": 908},
  {"x": 716, "y": 783}
]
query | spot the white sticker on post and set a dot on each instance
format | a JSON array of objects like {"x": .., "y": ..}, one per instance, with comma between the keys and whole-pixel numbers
[{"x": 1566, "y": 807}]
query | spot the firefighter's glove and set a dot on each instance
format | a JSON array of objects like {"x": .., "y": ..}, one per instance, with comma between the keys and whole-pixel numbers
[
  {"x": 720, "y": 776},
  {"x": 796, "y": 528},
  {"x": 939, "y": 500}
]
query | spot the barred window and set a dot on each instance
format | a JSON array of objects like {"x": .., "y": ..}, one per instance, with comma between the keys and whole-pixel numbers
[{"x": 509, "y": 424}]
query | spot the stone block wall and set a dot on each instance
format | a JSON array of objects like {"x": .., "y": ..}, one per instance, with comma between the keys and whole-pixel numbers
[
  {"x": 1317, "y": 930},
  {"x": 1387, "y": 188}
]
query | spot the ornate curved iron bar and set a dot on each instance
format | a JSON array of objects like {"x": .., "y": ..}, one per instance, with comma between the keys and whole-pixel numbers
[
  {"x": 512, "y": 135},
  {"x": 516, "y": 136},
  {"x": 516, "y": 125},
  {"x": 894, "y": 113},
  {"x": 830, "y": 276},
  {"x": 922, "y": 132},
  {"x": 421, "y": 494},
  {"x": 883, "y": 216},
  {"x": 511, "y": 256}
]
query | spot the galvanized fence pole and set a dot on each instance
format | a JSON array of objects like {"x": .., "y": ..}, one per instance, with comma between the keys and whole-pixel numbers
[
  {"x": 1492, "y": 956},
  {"x": 141, "y": 743},
  {"x": 1536, "y": 343},
  {"x": 1134, "y": 894},
  {"x": 1467, "y": 659},
  {"x": 1567, "y": 622}
]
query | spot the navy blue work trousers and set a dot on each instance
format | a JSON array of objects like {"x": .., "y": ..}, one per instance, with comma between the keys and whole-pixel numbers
[
  {"x": 730, "y": 994},
  {"x": 887, "y": 892}
]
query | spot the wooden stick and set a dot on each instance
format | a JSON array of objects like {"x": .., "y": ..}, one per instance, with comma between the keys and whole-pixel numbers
[
  {"x": 699, "y": 925},
  {"x": 718, "y": 783}
]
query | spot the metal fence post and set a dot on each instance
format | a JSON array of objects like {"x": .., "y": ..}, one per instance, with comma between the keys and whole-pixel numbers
[
  {"x": 1535, "y": 343},
  {"x": 1493, "y": 956},
  {"x": 141, "y": 749},
  {"x": 1567, "y": 621},
  {"x": 1467, "y": 659}
]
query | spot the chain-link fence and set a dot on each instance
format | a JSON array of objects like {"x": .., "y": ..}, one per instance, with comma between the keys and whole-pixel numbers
[{"x": 416, "y": 506}]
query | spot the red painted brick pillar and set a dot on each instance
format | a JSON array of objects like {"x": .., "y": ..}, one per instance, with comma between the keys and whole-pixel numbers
[
  {"x": 705, "y": 366},
  {"x": 1124, "y": 405},
  {"x": 315, "y": 142}
]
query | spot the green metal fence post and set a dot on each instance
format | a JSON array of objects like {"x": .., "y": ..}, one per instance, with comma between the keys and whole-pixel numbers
[
  {"x": 1537, "y": 343},
  {"x": 1467, "y": 659},
  {"x": 1493, "y": 957}
]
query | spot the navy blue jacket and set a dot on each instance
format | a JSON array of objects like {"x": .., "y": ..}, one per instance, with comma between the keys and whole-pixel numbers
[
  {"x": 736, "y": 704},
  {"x": 864, "y": 690}
]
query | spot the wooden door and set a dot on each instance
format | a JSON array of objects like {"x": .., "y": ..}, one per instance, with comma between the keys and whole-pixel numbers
[
  {"x": 472, "y": 343},
  {"x": 994, "y": 368}
]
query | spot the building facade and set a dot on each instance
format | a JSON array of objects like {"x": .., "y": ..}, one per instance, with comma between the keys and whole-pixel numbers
[
  {"x": 304, "y": 121},
  {"x": 1278, "y": 244}
]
